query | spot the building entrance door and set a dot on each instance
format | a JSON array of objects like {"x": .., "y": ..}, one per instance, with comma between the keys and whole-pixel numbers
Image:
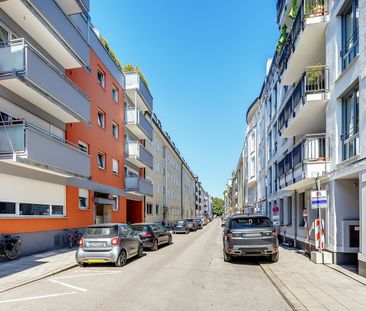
[{"x": 103, "y": 213}]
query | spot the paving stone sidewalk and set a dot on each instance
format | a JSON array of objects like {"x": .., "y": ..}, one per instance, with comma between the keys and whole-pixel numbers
[
  {"x": 310, "y": 286},
  {"x": 31, "y": 268}
]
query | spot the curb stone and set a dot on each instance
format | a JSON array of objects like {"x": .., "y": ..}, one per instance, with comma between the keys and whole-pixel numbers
[
  {"x": 290, "y": 298},
  {"x": 39, "y": 277}
]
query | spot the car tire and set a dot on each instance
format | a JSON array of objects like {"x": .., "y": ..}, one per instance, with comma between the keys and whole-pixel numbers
[
  {"x": 82, "y": 264},
  {"x": 275, "y": 257},
  {"x": 227, "y": 257},
  {"x": 140, "y": 251},
  {"x": 170, "y": 240},
  {"x": 155, "y": 246},
  {"x": 122, "y": 259}
]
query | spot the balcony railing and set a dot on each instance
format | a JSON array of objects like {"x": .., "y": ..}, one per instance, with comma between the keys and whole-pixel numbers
[
  {"x": 312, "y": 149},
  {"x": 314, "y": 80},
  {"x": 351, "y": 145},
  {"x": 281, "y": 4},
  {"x": 137, "y": 154},
  {"x": 350, "y": 50},
  {"x": 37, "y": 147},
  {"x": 139, "y": 185},
  {"x": 134, "y": 81},
  {"x": 136, "y": 118},
  {"x": 51, "y": 89}
]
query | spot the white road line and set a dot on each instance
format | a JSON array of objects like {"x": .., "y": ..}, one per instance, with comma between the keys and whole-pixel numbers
[
  {"x": 84, "y": 275},
  {"x": 69, "y": 285},
  {"x": 37, "y": 297}
]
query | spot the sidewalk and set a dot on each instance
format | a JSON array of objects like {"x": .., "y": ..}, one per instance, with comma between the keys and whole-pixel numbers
[
  {"x": 309, "y": 286},
  {"x": 31, "y": 268}
]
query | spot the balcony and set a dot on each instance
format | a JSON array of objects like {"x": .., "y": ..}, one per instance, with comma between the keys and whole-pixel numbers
[
  {"x": 305, "y": 109},
  {"x": 26, "y": 72},
  {"x": 137, "y": 90},
  {"x": 138, "y": 124},
  {"x": 24, "y": 144},
  {"x": 306, "y": 41},
  {"x": 139, "y": 186},
  {"x": 307, "y": 160},
  {"x": 71, "y": 7},
  {"x": 136, "y": 154},
  {"x": 49, "y": 25}
]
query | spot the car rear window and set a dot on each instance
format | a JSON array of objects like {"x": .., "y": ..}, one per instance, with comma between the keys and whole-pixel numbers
[
  {"x": 250, "y": 222},
  {"x": 140, "y": 228},
  {"x": 180, "y": 222},
  {"x": 110, "y": 231}
]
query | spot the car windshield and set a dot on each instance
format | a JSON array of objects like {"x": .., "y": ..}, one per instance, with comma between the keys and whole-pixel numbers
[
  {"x": 180, "y": 222},
  {"x": 140, "y": 228},
  {"x": 109, "y": 231},
  {"x": 250, "y": 222},
  {"x": 197, "y": 220},
  {"x": 189, "y": 219}
]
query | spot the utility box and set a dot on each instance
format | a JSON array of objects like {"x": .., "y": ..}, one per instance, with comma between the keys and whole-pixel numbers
[{"x": 324, "y": 257}]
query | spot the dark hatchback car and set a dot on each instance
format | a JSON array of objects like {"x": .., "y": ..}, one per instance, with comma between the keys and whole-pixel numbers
[
  {"x": 152, "y": 235},
  {"x": 181, "y": 226},
  {"x": 198, "y": 222},
  {"x": 191, "y": 224},
  {"x": 250, "y": 235}
]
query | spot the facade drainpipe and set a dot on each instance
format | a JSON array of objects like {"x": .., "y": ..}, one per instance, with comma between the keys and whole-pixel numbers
[{"x": 181, "y": 190}]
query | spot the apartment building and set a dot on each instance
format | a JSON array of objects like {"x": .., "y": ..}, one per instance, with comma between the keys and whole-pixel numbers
[
  {"x": 309, "y": 114},
  {"x": 173, "y": 180}
]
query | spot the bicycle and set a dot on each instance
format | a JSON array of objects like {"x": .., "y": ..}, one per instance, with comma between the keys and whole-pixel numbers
[
  {"x": 73, "y": 238},
  {"x": 9, "y": 246}
]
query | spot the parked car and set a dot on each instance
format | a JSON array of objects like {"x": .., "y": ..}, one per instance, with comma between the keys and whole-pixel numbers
[
  {"x": 198, "y": 222},
  {"x": 181, "y": 226},
  {"x": 152, "y": 235},
  {"x": 191, "y": 224},
  {"x": 112, "y": 242},
  {"x": 169, "y": 226},
  {"x": 250, "y": 235}
]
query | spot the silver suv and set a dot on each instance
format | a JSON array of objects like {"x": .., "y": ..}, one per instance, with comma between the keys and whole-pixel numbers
[
  {"x": 250, "y": 235},
  {"x": 108, "y": 243}
]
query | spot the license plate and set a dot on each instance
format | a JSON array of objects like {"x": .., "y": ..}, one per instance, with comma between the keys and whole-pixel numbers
[
  {"x": 251, "y": 235},
  {"x": 97, "y": 261},
  {"x": 96, "y": 244}
]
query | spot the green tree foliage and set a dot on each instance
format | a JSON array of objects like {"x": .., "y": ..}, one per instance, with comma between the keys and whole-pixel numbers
[
  {"x": 110, "y": 51},
  {"x": 218, "y": 206}
]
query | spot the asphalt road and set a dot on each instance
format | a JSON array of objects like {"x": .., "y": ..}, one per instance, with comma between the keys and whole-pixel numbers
[{"x": 188, "y": 275}]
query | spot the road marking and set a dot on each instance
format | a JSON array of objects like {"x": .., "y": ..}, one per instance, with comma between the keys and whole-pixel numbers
[
  {"x": 84, "y": 275},
  {"x": 69, "y": 285},
  {"x": 36, "y": 297}
]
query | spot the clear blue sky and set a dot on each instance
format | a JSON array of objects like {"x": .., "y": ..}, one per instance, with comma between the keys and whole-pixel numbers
[{"x": 204, "y": 61}]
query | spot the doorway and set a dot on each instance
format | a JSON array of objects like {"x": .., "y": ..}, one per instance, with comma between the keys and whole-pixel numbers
[{"x": 103, "y": 213}]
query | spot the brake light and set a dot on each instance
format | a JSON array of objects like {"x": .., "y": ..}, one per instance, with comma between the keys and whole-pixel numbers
[
  {"x": 146, "y": 235},
  {"x": 229, "y": 235},
  {"x": 115, "y": 241},
  {"x": 81, "y": 241},
  {"x": 274, "y": 233}
]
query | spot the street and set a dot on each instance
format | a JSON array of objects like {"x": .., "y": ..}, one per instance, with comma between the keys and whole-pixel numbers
[{"x": 190, "y": 274}]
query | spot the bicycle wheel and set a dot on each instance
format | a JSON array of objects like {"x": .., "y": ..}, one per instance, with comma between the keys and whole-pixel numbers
[
  {"x": 70, "y": 241},
  {"x": 14, "y": 251}
]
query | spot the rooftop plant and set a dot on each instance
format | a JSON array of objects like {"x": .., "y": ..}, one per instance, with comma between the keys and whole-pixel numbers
[{"x": 136, "y": 69}]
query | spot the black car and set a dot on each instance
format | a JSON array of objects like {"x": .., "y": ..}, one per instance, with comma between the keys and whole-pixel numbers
[
  {"x": 181, "y": 226},
  {"x": 152, "y": 235},
  {"x": 198, "y": 222},
  {"x": 250, "y": 235}
]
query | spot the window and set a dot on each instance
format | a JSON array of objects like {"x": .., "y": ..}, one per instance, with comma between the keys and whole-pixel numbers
[
  {"x": 34, "y": 209},
  {"x": 4, "y": 35},
  {"x": 83, "y": 146},
  {"x": 7, "y": 208},
  {"x": 157, "y": 209},
  {"x": 101, "y": 119},
  {"x": 350, "y": 126},
  {"x": 282, "y": 212},
  {"x": 57, "y": 210},
  {"x": 115, "y": 166},
  {"x": 350, "y": 35},
  {"x": 115, "y": 130},
  {"x": 83, "y": 199},
  {"x": 302, "y": 208},
  {"x": 115, "y": 93},
  {"x": 149, "y": 208},
  {"x": 101, "y": 160},
  {"x": 115, "y": 203},
  {"x": 252, "y": 167},
  {"x": 101, "y": 77}
]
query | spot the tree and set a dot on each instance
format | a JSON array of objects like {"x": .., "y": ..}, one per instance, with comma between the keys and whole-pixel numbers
[{"x": 218, "y": 206}]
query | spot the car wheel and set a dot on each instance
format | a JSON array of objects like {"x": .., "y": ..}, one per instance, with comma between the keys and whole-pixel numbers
[
  {"x": 155, "y": 246},
  {"x": 82, "y": 264},
  {"x": 122, "y": 259},
  {"x": 170, "y": 240},
  {"x": 141, "y": 251},
  {"x": 275, "y": 257},
  {"x": 227, "y": 257}
]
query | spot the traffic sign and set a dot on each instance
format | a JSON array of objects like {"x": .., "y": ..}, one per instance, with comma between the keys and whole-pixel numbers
[
  {"x": 275, "y": 209},
  {"x": 319, "y": 199}
]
